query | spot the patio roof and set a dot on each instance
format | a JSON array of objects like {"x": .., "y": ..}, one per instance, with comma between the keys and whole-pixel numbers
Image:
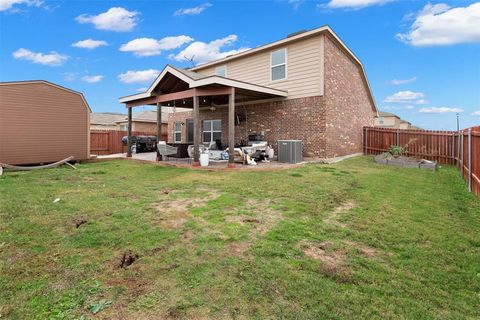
[{"x": 178, "y": 84}]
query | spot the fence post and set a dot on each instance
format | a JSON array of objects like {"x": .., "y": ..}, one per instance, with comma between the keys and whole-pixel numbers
[
  {"x": 398, "y": 137},
  {"x": 470, "y": 159},
  {"x": 461, "y": 153},
  {"x": 453, "y": 148},
  {"x": 366, "y": 141}
]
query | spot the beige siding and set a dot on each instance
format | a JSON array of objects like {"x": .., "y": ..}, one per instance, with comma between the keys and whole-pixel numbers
[
  {"x": 42, "y": 123},
  {"x": 387, "y": 121},
  {"x": 304, "y": 68}
]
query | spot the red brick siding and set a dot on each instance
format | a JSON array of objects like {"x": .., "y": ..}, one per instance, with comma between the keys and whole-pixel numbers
[
  {"x": 348, "y": 106},
  {"x": 302, "y": 119}
]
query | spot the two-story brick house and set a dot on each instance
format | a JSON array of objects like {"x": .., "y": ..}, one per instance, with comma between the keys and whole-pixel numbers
[{"x": 308, "y": 86}]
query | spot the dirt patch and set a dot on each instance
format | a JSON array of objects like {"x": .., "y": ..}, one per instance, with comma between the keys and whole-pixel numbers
[
  {"x": 264, "y": 220},
  {"x": 174, "y": 212},
  {"x": 364, "y": 249},
  {"x": 127, "y": 259},
  {"x": 333, "y": 259},
  {"x": 238, "y": 249},
  {"x": 331, "y": 218},
  {"x": 183, "y": 204},
  {"x": 79, "y": 221}
]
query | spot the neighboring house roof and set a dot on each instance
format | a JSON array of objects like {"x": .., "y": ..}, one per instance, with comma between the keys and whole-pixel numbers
[
  {"x": 145, "y": 116},
  {"x": 416, "y": 128},
  {"x": 106, "y": 118},
  {"x": 387, "y": 114},
  {"x": 195, "y": 80},
  {"x": 26, "y": 82},
  {"x": 403, "y": 121}
]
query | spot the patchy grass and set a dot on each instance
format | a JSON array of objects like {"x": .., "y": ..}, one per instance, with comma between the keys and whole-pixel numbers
[{"x": 350, "y": 240}]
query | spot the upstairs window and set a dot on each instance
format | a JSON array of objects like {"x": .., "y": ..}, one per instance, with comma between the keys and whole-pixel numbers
[
  {"x": 381, "y": 120},
  {"x": 221, "y": 71},
  {"x": 278, "y": 62}
]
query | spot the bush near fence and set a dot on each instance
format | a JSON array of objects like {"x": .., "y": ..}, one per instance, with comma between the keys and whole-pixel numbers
[
  {"x": 459, "y": 148},
  {"x": 103, "y": 142}
]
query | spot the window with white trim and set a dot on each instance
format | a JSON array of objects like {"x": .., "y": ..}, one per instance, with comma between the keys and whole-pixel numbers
[
  {"x": 212, "y": 130},
  {"x": 221, "y": 71},
  {"x": 177, "y": 132},
  {"x": 381, "y": 120},
  {"x": 278, "y": 63}
]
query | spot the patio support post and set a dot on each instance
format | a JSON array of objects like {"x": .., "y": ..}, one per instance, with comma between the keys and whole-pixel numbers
[
  {"x": 231, "y": 129},
  {"x": 159, "y": 128},
  {"x": 129, "y": 133},
  {"x": 196, "y": 132}
]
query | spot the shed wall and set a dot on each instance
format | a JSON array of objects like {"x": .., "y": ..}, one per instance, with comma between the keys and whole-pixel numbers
[{"x": 41, "y": 123}]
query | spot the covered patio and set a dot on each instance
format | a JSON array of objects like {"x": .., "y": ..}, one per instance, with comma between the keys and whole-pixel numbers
[{"x": 187, "y": 89}]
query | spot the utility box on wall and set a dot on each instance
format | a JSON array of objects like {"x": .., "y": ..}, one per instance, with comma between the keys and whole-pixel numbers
[{"x": 290, "y": 151}]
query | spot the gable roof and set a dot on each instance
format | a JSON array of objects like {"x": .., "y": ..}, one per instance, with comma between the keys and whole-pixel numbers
[
  {"x": 106, "y": 118},
  {"x": 290, "y": 39},
  {"x": 26, "y": 82},
  {"x": 195, "y": 80}
]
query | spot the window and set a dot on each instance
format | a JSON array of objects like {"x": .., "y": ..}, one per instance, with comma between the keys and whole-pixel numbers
[
  {"x": 189, "y": 130},
  {"x": 124, "y": 127},
  {"x": 177, "y": 132},
  {"x": 221, "y": 71},
  {"x": 212, "y": 130},
  {"x": 278, "y": 61},
  {"x": 381, "y": 120}
]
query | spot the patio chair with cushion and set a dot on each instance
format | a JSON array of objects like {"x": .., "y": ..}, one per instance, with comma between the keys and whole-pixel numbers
[{"x": 165, "y": 150}]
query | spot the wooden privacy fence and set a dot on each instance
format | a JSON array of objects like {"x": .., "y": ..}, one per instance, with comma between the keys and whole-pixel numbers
[
  {"x": 104, "y": 142},
  {"x": 460, "y": 148}
]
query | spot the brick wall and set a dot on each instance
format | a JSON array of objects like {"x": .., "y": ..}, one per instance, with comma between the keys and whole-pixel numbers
[
  {"x": 302, "y": 119},
  {"x": 329, "y": 125},
  {"x": 348, "y": 106}
]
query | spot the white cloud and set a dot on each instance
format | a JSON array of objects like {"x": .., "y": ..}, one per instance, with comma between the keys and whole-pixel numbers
[
  {"x": 408, "y": 107},
  {"x": 89, "y": 44},
  {"x": 476, "y": 113},
  {"x": 296, "y": 3},
  {"x": 144, "y": 47},
  {"x": 92, "y": 79},
  {"x": 138, "y": 76},
  {"x": 397, "y": 82},
  {"x": 421, "y": 101},
  {"x": 440, "y": 110},
  {"x": 353, "y": 4},
  {"x": 202, "y": 52},
  {"x": 69, "y": 76},
  {"x": 192, "y": 11},
  {"x": 8, "y": 4},
  {"x": 52, "y": 59},
  {"x": 439, "y": 24},
  {"x": 115, "y": 19},
  {"x": 404, "y": 96}
]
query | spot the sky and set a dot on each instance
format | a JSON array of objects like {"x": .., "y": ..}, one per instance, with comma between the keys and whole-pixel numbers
[{"x": 422, "y": 58}]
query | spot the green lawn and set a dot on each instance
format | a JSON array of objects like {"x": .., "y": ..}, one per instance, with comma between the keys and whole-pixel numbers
[{"x": 350, "y": 240}]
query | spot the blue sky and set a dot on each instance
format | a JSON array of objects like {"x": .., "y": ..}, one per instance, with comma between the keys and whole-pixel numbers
[{"x": 422, "y": 58}]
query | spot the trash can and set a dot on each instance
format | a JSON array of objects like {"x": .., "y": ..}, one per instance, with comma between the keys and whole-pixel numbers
[{"x": 204, "y": 159}]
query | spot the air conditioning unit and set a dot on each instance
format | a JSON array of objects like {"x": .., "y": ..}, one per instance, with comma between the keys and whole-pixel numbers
[{"x": 290, "y": 151}]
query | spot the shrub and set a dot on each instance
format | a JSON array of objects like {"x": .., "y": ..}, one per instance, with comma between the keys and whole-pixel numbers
[{"x": 396, "y": 151}]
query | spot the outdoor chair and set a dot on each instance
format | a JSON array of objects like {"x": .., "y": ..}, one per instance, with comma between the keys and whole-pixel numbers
[{"x": 165, "y": 150}]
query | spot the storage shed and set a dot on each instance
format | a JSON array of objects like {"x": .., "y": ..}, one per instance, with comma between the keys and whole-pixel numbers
[{"x": 42, "y": 122}]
